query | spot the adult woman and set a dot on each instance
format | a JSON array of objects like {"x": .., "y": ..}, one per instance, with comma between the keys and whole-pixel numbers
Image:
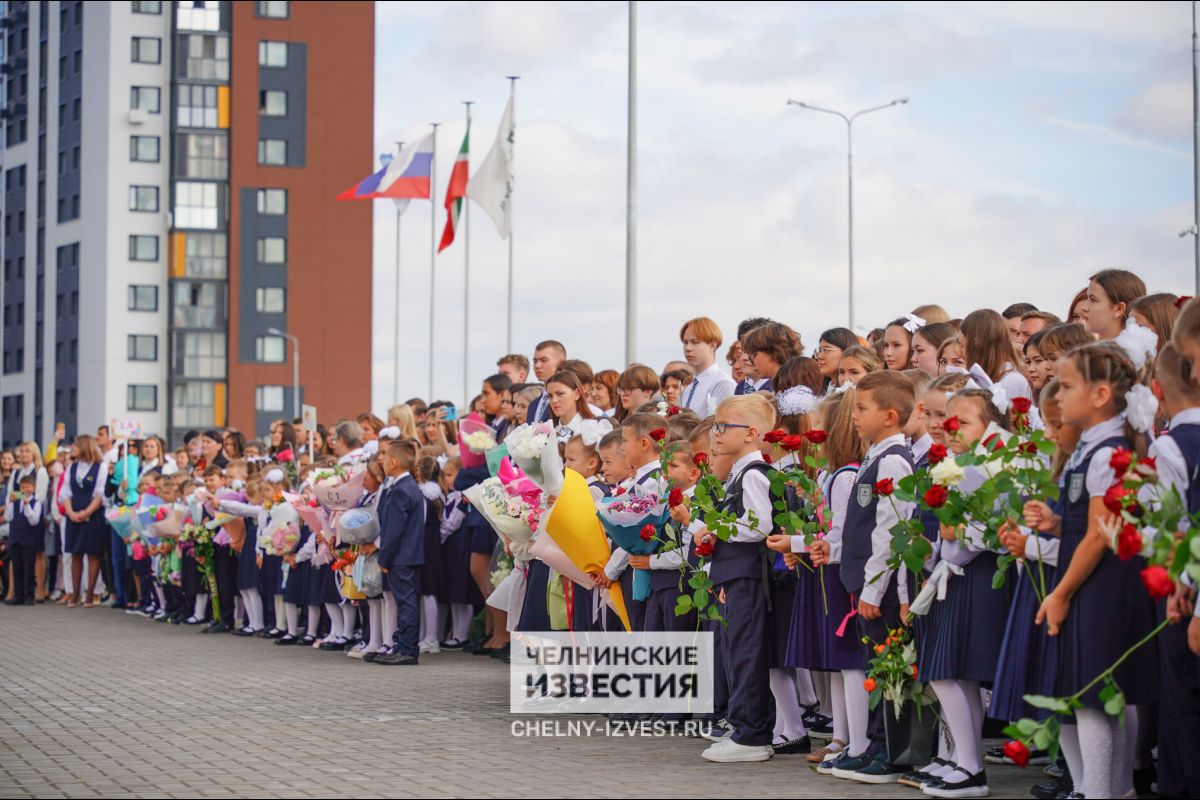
[
  {"x": 8, "y": 460},
  {"x": 567, "y": 403},
  {"x": 768, "y": 346},
  {"x": 439, "y": 433},
  {"x": 829, "y": 351},
  {"x": 604, "y": 391},
  {"x": 29, "y": 462},
  {"x": 234, "y": 446},
  {"x": 153, "y": 449},
  {"x": 371, "y": 426},
  {"x": 637, "y": 385},
  {"x": 1109, "y": 294},
  {"x": 491, "y": 395},
  {"x": 283, "y": 437},
  {"x": 82, "y": 496}
]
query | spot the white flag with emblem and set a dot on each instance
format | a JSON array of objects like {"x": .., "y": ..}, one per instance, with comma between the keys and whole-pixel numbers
[{"x": 492, "y": 185}]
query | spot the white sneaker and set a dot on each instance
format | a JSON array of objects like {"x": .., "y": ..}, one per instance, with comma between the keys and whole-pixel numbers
[
  {"x": 728, "y": 751},
  {"x": 356, "y": 652},
  {"x": 429, "y": 647}
]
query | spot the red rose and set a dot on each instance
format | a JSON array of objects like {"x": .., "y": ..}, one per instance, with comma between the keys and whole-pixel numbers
[
  {"x": 1021, "y": 405},
  {"x": 1129, "y": 542},
  {"x": 703, "y": 549},
  {"x": 1147, "y": 467},
  {"x": 673, "y": 410},
  {"x": 1120, "y": 461},
  {"x": 951, "y": 425},
  {"x": 1029, "y": 449},
  {"x": 1115, "y": 496},
  {"x": 1157, "y": 582},
  {"x": 620, "y": 491},
  {"x": 792, "y": 443},
  {"x": 766, "y": 457},
  {"x": 284, "y": 456},
  {"x": 937, "y": 453},
  {"x": 675, "y": 498},
  {"x": 658, "y": 434},
  {"x": 313, "y": 504},
  {"x": 936, "y": 496},
  {"x": 816, "y": 437},
  {"x": 775, "y": 437},
  {"x": 885, "y": 487},
  {"x": 648, "y": 532},
  {"x": 993, "y": 442},
  {"x": 700, "y": 459},
  {"x": 1017, "y": 753}
]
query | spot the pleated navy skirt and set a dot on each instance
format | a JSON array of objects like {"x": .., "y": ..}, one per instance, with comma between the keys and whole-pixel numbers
[
  {"x": 296, "y": 589},
  {"x": 783, "y": 601},
  {"x": 535, "y": 613},
  {"x": 456, "y": 569},
  {"x": 483, "y": 539},
  {"x": 1028, "y": 662},
  {"x": 962, "y": 642},
  {"x": 433, "y": 577},
  {"x": 247, "y": 566},
  {"x": 270, "y": 577},
  {"x": 581, "y": 599},
  {"x": 1109, "y": 614},
  {"x": 87, "y": 538},
  {"x": 813, "y": 641},
  {"x": 321, "y": 588}
]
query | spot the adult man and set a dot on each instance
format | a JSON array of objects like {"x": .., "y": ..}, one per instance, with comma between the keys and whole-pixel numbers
[
  {"x": 709, "y": 385},
  {"x": 1035, "y": 322},
  {"x": 547, "y": 360},
  {"x": 515, "y": 366},
  {"x": 1012, "y": 318}
]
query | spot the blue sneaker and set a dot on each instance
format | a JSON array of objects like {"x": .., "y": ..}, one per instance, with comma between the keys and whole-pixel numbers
[{"x": 847, "y": 765}]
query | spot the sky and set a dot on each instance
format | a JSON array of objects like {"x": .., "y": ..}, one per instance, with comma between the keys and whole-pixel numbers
[{"x": 1041, "y": 142}]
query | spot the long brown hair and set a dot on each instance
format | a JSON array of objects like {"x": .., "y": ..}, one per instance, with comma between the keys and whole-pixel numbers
[
  {"x": 1160, "y": 310},
  {"x": 572, "y": 382},
  {"x": 842, "y": 445},
  {"x": 87, "y": 450},
  {"x": 1121, "y": 286},
  {"x": 988, "y": 343},
  {"x": 1106, "y": 362}
]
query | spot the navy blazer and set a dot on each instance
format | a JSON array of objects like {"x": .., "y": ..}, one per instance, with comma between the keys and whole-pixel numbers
[
  {"x": 542, "y": 404},
  {"x": 402, "y": 525}
]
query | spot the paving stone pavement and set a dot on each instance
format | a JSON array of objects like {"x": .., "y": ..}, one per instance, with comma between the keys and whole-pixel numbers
[{"x": 97, "y": 703}]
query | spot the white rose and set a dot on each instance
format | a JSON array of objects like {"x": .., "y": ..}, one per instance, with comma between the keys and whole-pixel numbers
[{"x": 947, "y": 472}]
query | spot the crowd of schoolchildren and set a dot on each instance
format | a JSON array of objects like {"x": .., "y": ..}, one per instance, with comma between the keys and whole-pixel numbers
[{"x": 792, "y": 653}]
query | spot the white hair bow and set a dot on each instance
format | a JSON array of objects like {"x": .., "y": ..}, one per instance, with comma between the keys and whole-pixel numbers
[
  {"x": 370, "y": 448},
  {"x": 999, "y": 397},
  {"x": 1141, "y": 408},
  {"x": 274, "y": 475},
  {"x": 392, "y": 432},
  {"x": 981, "y": 378},
  {"x": 593, "y": 430},
  {"x": 1139, "y": 342},
  {"x": 796, "y": 400},
  {"x": 912, "y": 323},
  {"x": 836, "y": 390}
]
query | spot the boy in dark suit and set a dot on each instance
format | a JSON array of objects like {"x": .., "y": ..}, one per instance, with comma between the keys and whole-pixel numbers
[{"x": 402, "y": 547}]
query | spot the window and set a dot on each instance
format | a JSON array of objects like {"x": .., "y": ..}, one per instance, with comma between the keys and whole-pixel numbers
[
  {"x": 141, "y": 297},
  {"x": 62, "y": 163},
  {"x": 77, "y": 61},
  {"x": 269, "y": 349},
  {"x": 147, "y": 7},
  {"x": 205, "y": 255},
  {"x": 203, "y": 155},
  {"x": 143, "y": 348},
  {"x": 268, "y": 399},
  {"x": 269, "y": 300},
  {"x": 147, "y": 50},
  {"x": 147, "y": 98},
  {"x": 143, "y": 198},
  {"x": 143, "y": 148},
  {"x": 272, "y": 250},
  {"x": 196, "y": 205},
  {"x": 76, "y": 110},
  {"x": 75, "y": 158},
  {"x": 272, "y": 152},
  {"x": 193, "y": 405},
  {"x": 275, "y": 9},
  {"x": 198, "y": 305},
  {"x": 272, "y": 202},
  {"x": 141, "y": 397},
  {"x": 198, "y": 15},
  {"x": 272, "y": 103},
  {"x": 272, "y": 54},
  {"x": 196, "y": 107},
  {"x": 143, "y": 248},
  {"x": 67, "y": 257},
  {"x": 199, "y": 355},
  {"x": 207, "y": 57}
]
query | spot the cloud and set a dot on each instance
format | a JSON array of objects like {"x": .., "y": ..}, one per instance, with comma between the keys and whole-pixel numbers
[
  {"x": 1115, "y": 136},
  {"x": 1162, "y": 109}
]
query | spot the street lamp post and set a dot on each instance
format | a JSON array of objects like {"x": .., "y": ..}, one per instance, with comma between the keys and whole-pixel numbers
[
  {"x": 295, "y": 368},
  {"x": 849, "y": 120}
]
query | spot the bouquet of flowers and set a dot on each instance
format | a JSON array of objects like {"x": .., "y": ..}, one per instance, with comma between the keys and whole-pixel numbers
[
  {"x": 892, "y": 676},
  {"x": 510, "y": 515},
  {"x": 121, "y": 519},
  {"x": 197, "y": 540},
  {"x": 338, "y": 490},
  {"x": 633, "y": 521},
  {"x": 475, "y": 438},
  {"x": 534, "y": 448}
]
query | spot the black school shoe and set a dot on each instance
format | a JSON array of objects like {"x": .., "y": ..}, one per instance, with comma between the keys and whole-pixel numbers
[
  {"x": 972, "y": 786},
  {"x": 287, "y": 639},
  {"x": 918, "y": 777},
  {"x": 395, "y": 660},
  {"x": 1062, "y": 787},
  {"x": 880, "y": 771},
  {"x": 793, "y": 747}
]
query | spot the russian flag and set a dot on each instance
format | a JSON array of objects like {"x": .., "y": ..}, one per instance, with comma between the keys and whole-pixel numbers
[{"x": 406, "y": 176}]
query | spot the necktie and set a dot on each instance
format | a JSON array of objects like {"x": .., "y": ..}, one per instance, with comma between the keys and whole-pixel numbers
[{"x": 692, "y": 391}]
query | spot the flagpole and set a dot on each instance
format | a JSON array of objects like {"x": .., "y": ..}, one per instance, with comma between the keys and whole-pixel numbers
[
  {"x": 631, "y": 197},
  {"x": 512, "y": 93},
  {"x": 466, "y": 210},
  {"x": 432, "y": 252},
  {"x": 396, "y": 388}
]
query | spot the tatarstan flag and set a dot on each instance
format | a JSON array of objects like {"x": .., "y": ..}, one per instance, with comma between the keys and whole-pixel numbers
[{"x": 456, "y": 191}]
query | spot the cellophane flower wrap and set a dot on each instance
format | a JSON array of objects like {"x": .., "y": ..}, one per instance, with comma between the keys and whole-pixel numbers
[
  {"x": 625, "y": 518},
  {"x": 475, "y": 438},
  {"x": 511, "y": 509},
  {"x": 338, "y": 489},
  {"x": 534, "y": 448}
]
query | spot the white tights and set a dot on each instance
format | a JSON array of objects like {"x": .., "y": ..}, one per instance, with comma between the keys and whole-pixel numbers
[
  {"x": 962, "y": 709},
  {"x": 314, "y": 621},
  {"x": 789, "y": 719},
  {"x": 376, "y": 643},
  {"x": 253, "y": 603},
  {"x": 857, "y": 710},
  {"x": 291, "y": 612},
  {"x": 460, "y": 621},
  {"x": 390, "y": 623},
  {"x": 335, "y": 622},
  {"x": 430, "y": 632},
  {"x": 349, "y": 620},
  {"x": 1104, "y": 753},
  {"x": 836, "y": 707},
  {"x": 201, "y": 605}
]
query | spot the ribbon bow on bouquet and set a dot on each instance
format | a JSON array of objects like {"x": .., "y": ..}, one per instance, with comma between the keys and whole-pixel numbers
[{"x": 518, "y": 484}]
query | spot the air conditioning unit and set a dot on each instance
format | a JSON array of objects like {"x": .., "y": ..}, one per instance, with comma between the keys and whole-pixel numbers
[{"x": 137, "y": 116}]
